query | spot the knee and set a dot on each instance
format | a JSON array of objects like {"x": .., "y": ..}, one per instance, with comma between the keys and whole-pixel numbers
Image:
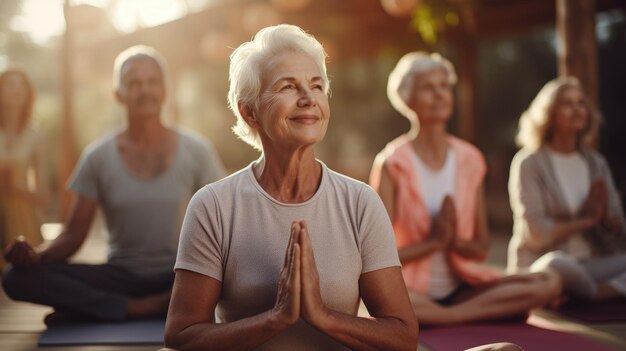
[
  {"x": 15, "y": 282},
  {"x": 546, "y": 286},
  {"x": 10, "y": 280}
]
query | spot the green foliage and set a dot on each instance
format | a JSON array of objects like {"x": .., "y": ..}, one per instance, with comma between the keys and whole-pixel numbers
[{"x": 431, "y": 17}]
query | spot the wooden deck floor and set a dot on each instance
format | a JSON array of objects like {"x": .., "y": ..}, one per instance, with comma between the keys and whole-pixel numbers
[{"x": 21, "y": 323}]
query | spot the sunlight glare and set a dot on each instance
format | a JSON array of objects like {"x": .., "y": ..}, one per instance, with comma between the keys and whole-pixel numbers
[
  {"x": 43, "y": 19},
  {"x": 40, "y": 19},
  {"x": 132, "y": 15}
]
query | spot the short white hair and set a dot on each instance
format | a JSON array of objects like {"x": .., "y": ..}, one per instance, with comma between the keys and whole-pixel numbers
[
  {"x": 536, "y": 123},
  {"x": 250, "y": 58},
  {"x": 137, "y": 52},
  {"x": 410, "y": 66}
]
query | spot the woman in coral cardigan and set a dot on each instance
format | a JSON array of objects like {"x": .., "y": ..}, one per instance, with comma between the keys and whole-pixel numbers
[{"x": 432, "y": 186}]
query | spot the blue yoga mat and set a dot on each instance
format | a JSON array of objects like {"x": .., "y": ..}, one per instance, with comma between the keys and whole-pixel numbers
[{"x": 138, "y": 332}]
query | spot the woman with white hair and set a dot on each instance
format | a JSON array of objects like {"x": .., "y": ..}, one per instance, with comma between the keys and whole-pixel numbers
[
  {"x": 432, "y": 186},
  {"x": 567, "y": 211},
  {"x": 278, "y": 255}
]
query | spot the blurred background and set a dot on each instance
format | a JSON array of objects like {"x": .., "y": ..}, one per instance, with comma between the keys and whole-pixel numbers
[{"x": 504, "y": 51}]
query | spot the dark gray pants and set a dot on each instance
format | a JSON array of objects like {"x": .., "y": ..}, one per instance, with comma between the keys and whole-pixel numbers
[{"x": 90, "y": 291}]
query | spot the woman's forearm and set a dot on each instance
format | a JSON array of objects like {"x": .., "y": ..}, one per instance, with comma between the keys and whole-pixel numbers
[
  {"x": 243, "y": 334},
  {"x": 359, "y": 333},
  {"x": 417, "y": 251}
]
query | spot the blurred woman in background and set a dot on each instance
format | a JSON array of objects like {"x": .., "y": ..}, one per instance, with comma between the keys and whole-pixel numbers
[
  {"x": 431, "y": 183},
  {"x": 23, "y": 171},
  {"x": 567, "y": 211}
]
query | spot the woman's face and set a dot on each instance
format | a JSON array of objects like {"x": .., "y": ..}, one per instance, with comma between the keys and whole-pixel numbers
[
  {"x": 570, "y": 115},
  {"x": 14, "y": 91},
  {"x": 431, "y": 97},
  {"x": 293, "y": 108}
]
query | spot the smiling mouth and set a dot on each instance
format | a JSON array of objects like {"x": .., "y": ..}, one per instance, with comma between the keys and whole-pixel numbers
[{"x": 305, "y": 119}]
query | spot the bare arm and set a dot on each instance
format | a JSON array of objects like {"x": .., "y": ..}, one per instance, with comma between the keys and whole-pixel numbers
[
  {"x": 478, "y": 247},
  {"x": 41, "y": 174},
  {"x": 386, "y": 192},
  {"x": 65, "y": 245},
  {"x": 190, "y": 320},
  {"x": 393, "y": 325}
]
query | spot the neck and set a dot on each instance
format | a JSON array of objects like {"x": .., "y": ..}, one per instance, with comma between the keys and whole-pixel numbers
[
  {"x": 431, "y": 145},
  {"x": 146, "y": 132},
  {"x": 289, "y": 178},
  {"x": 564, "y": 143}
]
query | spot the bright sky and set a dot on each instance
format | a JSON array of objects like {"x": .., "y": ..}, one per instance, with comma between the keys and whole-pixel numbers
[{"x": 43, "y": 19}]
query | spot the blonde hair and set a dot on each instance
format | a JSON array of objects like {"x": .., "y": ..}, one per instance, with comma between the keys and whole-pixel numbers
[
  {"x": 249, "y": 59},
  {"x": 402, "y": 78},
  {"x": 535, "y": 124}
]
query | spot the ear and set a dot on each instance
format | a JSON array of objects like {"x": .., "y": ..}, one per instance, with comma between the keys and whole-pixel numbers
[
  {"x": 118, "y": 96},
  {"x": 248, "y": 115}
]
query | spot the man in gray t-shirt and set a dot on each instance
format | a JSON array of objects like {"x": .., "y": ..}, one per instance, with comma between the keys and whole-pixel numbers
[{"x": 142, "y": 178}]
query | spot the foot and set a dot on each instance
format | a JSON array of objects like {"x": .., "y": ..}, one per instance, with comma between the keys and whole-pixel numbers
[
  {"x": 149, "y": 306},
  {"x": 59, "y": 318}
]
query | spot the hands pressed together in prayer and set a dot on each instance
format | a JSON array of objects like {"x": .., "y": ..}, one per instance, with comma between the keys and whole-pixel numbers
[
  {"x": 299, "y": 287},
  {"x": 595, "y": 207},
  {"x": 444, "y": 233},
  {"x": 444, "y": 225}
]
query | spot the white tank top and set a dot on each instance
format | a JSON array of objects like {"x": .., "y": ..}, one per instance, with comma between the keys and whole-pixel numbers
[
  {"x": 434, "y": 186},
  {"x": 572, "y": 174}
]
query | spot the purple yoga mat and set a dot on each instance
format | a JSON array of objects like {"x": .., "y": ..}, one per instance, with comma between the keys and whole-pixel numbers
[
  {"x": 596, "y": 312},
  {"x": 526, "y": 336}
]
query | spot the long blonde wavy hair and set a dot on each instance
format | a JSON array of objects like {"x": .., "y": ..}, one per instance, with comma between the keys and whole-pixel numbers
[{"x": 536, "y": 123}]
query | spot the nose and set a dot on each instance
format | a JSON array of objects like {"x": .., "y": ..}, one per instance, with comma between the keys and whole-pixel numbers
[{"x": 306, "y": 98}]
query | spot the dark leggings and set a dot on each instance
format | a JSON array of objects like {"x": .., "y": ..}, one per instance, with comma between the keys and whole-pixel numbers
[{"x": 92, "y": 291}]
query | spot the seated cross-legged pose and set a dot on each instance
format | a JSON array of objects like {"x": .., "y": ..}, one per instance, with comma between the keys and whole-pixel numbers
[
  {"x": 142, "y": 177},
  {"x": 432, "y": 186},
  {"x": 567, "y": 211},
  {"x": 278, "y": 255}
]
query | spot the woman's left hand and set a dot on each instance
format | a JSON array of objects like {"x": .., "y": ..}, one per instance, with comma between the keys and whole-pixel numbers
[{"x": 313, "y": 309}]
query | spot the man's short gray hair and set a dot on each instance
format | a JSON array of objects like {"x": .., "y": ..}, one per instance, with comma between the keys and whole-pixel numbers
[{"x": 137, "y": 52}]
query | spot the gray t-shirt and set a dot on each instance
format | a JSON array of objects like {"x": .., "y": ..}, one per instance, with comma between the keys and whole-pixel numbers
[
  {"x": 237, "y": 233},
  {"x": 144, "y": 216}
]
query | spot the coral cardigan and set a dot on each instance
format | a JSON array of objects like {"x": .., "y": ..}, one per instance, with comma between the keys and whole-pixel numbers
[{"x": 412, "y": 221}]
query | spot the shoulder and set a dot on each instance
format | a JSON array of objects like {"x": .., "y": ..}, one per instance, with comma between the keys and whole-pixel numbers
[
  {"x": 350, "y": 187},
  {"x": 466, "y": 149},
  {"x": 594, "y": 155},
  {"x": 394, "y": 148},
  {"x": 100, "y": 146},
  {"x": 528, "y": 158},
  {"x": 192, "y": 140},
  {"x": 231, "y": 184}
]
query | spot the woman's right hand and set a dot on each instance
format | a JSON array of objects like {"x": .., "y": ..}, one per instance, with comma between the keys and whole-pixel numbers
[
  {"x": 444, "y": 224},
  {"x": 287, "y": 307},
  {"x": 596, "y": 205},
  {"x": 21, "y": 254}
]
